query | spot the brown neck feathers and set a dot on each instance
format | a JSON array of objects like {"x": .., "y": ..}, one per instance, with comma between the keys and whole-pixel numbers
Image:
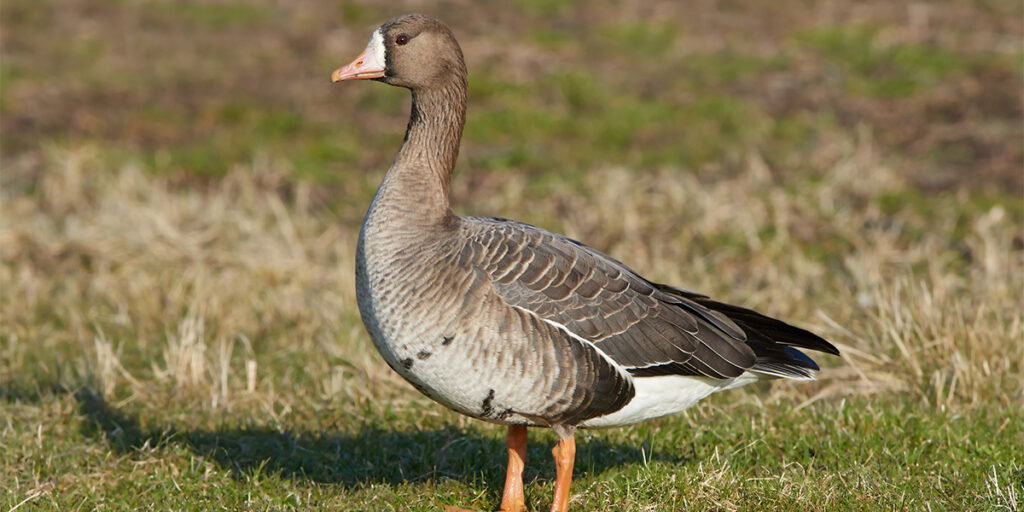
[{"x": 419, "y": 179}]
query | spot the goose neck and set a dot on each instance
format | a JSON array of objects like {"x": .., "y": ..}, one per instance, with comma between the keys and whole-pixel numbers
[{"x": 419, "y": 179}]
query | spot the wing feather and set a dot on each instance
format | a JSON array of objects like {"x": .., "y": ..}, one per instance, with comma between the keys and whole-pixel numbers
[{"x": 643, "y": 327}]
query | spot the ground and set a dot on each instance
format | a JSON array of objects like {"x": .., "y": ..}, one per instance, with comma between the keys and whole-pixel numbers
[{"x": 182, "y": 187}]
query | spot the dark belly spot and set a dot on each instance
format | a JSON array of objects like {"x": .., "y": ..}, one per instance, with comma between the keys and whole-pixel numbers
[
  {"x": 447, "y": 339},
  {"x": 422, "y": 389},
  {"x": 485, "y": 408},
  {"x": 423, "y": 354},
  {"x": 407, "y": 363}
]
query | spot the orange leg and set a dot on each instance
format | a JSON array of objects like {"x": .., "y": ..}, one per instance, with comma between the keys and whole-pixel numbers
[
  {"x": 565, "y": 455},
  {"x": 513, "y": 499}
]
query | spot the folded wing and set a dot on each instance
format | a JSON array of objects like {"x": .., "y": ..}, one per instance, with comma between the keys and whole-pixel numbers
[{"x": 647, "y": 329}]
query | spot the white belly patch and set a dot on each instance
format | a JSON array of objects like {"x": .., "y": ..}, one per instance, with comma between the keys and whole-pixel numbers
[{"x": 665, "y": 395}]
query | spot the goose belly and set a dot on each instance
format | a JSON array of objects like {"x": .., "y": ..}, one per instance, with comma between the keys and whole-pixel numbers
[
  {"x": 420, "y": 336},
  {"x": 448, "y": 366},
  {"x": 664, "y": 395}
]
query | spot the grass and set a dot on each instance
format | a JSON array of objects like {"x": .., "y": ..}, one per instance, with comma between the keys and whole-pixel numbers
[
  {"x": 178, "y": 326},
  {"x": 162, "y": 342}
]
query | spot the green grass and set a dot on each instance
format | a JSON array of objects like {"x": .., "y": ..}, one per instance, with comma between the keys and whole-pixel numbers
[
  {"x": 894, "y": 71},
  {"x": 896, "y": 457},
  {"x": 178, "y": 328}
]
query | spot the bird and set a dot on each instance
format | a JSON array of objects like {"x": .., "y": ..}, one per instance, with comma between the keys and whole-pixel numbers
[{"x": 516, "y": 325}]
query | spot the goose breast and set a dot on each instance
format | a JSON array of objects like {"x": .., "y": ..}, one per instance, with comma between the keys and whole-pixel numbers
[{"x": 432, "y": 305}]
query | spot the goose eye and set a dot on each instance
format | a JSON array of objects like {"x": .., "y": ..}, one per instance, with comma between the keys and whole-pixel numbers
[{"x": 401, "y": 40}]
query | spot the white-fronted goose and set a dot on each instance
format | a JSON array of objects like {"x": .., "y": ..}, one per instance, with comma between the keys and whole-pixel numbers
[{"x": 515, "y": 325}]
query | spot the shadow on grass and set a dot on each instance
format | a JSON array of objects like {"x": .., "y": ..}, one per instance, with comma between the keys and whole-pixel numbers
[{"x": 352, "y": 459}]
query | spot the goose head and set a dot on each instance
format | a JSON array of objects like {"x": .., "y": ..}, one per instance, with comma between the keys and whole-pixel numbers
[{"x": 414, "y": 51}]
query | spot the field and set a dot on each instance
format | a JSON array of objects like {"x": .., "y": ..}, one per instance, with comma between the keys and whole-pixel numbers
[{"x": 182, "y": 188}]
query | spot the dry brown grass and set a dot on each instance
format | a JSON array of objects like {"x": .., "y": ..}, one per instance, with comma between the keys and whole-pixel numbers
[
  {"x": 235, "y": 305},
  {"x": 183, "y": 293},
  {"x": 185, "y": 281}
]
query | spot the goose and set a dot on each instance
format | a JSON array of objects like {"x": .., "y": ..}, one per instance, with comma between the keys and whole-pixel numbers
[{"x": 518, "y": 326}]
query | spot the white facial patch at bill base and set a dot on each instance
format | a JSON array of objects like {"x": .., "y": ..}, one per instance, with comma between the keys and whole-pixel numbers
[{"x": 375, "y": 49}]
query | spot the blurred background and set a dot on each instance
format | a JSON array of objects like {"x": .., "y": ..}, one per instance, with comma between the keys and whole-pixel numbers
[
  {"x": 182, "y": 188},
  {"x": 191, "y": 88}
]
